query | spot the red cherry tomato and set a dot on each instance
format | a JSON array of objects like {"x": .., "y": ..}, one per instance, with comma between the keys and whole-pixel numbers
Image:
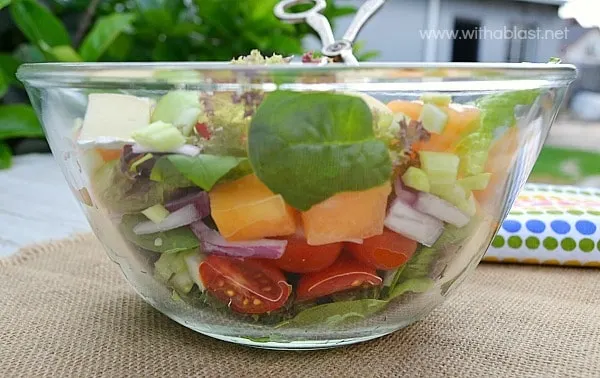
[
  {"x": 248, "y": 286},
  {"x": 386, "y": 251},
  {"x": 346, "y": 273},
  {"x": 299, "y": 257},
  {"x": 202, "y": 130}
]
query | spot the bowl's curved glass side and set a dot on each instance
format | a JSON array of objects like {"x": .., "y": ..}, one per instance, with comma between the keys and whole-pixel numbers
[{"x": 60, "y": 110}]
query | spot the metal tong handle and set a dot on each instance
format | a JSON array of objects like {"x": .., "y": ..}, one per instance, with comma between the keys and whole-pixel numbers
[
  {"x": 322, "y": 26},
  {"x": 312, "y": 17},
  {"x": 362, "y": 15}
]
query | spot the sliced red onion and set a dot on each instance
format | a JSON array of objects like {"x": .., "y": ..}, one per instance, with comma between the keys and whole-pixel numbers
[
  {"x": 182, "y": 217},
  {"x": 214, "y": 243},
  {"x": 186, "y": 149},
  {"x": 403, "y": 194},
  {"x": 200, "y": 200}
]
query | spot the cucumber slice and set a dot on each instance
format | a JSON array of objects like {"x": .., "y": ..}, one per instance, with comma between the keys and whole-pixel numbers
[
  {"x": 433, "y": 119},
  {"x": 468, "y": 206},
  {"x": 160, "y": 136},
  {"x": 439, "y": 99},
  {"x": 453, "y": 193},
  {"x": 156, "y": 213},
  {"x": 477, "y": 182},
  {"x": 179, "y": 108},
  {"x": 464, "y": 200},
  {"x": 441, "y": 167},
  {"x": 416, "y": 178}
]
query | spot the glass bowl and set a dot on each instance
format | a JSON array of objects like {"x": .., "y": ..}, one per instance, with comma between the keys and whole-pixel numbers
[{"x": 296, "y": 206}]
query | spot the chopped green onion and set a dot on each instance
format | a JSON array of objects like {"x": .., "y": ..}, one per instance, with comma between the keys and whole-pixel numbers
[
  {"x": 139, "y": 161},
  {"x": 156, "y": 214}
]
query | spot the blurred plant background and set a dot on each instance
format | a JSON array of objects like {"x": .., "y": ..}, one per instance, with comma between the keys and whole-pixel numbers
[{"x": 132, "y": 30}]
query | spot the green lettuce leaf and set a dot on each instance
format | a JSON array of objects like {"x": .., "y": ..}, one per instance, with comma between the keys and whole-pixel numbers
[
  {"x": 201, "y": 170},
  {"x": 336, "y": 313},
  {"x": 413, "y": 276},
  {"x": 497, "y": 110},
  {"x": 309, "y": 146}
]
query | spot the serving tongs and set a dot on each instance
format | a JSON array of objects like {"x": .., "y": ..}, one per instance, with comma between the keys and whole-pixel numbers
[{"x": 341, "y": 49}]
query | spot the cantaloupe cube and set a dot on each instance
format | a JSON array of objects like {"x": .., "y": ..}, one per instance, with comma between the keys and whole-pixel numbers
[
  {"x": 347, "y": 216},
  {"x": 245, "y": 209}
]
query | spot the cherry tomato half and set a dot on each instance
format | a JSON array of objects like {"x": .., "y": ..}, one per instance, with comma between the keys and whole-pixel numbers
[
  {"x": 299, "y": 257},
  {"x": 346, "y": 273},
  {"x": 386, "y": 251},
  {"x": 248, "y": 286}
]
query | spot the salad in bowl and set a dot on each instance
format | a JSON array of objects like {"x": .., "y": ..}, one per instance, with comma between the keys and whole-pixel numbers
[{"x": 292, "y": 205}]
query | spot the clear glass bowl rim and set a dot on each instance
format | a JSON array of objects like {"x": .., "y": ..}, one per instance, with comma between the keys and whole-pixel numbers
[{"x": 57, "y": 74}]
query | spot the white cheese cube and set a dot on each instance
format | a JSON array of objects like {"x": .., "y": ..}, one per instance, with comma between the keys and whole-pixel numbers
[{"x": 112, "y": 117}]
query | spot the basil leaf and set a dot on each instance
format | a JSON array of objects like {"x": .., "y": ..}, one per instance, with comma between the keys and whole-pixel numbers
[
  {"x": 336, "y": 313},
  {"x": 176, "y": 240},
  {"x": 309, "y": 146},
  {"x": 204, "y": 170}
]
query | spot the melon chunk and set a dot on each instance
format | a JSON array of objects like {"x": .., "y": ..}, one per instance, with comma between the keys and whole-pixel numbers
[
  {"x": 245, "y": 209},
  {"x": 347, "y": 216}
]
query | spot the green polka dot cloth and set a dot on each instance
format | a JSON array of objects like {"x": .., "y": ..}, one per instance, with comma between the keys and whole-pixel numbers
[{"x": 550, "y": 224}]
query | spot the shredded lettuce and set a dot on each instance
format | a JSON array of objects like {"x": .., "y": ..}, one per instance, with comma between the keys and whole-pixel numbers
[{"x": 497, "y": 111}]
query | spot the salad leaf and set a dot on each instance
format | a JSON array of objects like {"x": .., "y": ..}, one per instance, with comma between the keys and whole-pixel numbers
[
  {"x": 415, "y": 285},
  {"x": 414, "y": 275},
  {"x": 336, "y": 313},
  {"x": 120, "y": 193},
  {"x": 164, "y": 171},
  {"x": 171, "y": 268},
  {"x": 473, "y": 152},
  {"x": 309, "y": 146},
  {"x": 202, "y": 170},
  {"x": 497, "y": 110},
  {"x": 176, "y": 240}
]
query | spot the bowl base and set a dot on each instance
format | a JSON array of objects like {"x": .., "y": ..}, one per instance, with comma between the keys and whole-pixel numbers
[{"x": 294, "y": 345}]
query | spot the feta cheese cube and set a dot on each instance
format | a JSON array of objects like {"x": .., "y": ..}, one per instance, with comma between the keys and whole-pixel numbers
[{"x": 112, "y": 117}]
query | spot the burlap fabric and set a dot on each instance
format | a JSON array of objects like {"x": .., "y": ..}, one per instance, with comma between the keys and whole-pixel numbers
[{"x": 66, "y": 311}]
